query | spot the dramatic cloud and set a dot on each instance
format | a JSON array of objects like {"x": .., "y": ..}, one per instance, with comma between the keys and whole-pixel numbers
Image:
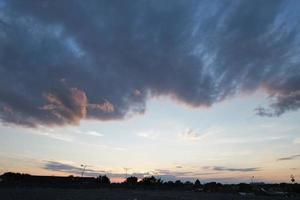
[
  {"x": 64, "y": 61},
  {"x": 289, "y": 158}
]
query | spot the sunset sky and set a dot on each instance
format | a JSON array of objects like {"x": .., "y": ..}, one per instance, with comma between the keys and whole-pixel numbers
[{"x": 188, "y": 90}]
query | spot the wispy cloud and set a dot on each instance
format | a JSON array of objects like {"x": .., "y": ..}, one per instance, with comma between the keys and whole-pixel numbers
[
  {"x": 171, "y": 172},
  {"x": 247, "y": 139},
  {"x": 289, "y": 158},
  {"x": 297, "y": 141},
  {"x": 70, "y": 168},
  {"x": 48, "y": 132},
  {"x": 230, "y": 169},
  {"x": 152, "y": 135},
  {"x": 190, "y": 135},
  {"x": 74, "y": 169},
  {"x": 193, "y": 135},
  {"x": 164, "y": 174},
  {"x": 172, "y": 175},
  {"x": 92, "y": 133}
]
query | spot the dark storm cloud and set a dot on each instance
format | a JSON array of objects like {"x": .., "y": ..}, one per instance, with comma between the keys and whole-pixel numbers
[
  {"x": 63, "y": 61},
  {"x": 289, "y": 158}
]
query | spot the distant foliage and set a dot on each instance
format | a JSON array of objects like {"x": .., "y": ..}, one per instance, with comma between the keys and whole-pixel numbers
[
  {"x": 132, "y": 180},
  {"x": 198, "y": 183},
  {"x": 25, "y": 180},
  {"x": 178, "y": 183},
  {"x": 292, "y": 179},
  {"x": 151, "y": 180},
  {"x": 103, "y": 180}
]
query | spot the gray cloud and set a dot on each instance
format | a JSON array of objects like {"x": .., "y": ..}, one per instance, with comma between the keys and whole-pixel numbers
[
  {"x": 89, "y": 171},
  {"x": 164, "y": 174},
  {"x": 289, "y": 158},
  {"x": 229, "y": 169},
  {"x": 173, "y": 175},
  {"x": 63, "y": 61},
  {"x": 170, "y": 172},
  {"x": 71, "y": 169}
]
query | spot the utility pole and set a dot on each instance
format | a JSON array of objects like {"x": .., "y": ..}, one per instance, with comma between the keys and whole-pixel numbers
[
  {"x": 83, "y": 169},
  {"x": 126, "y": 170}
]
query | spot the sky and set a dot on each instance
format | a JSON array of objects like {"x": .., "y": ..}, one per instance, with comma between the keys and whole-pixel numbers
[{"x": 186, "y": 90}]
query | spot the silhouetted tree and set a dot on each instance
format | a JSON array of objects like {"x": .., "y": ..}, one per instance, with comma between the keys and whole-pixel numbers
[
  {"x": 159, "y": 181},
  {"x": 292, "y": 178},
  {"x": 244, "y": 187},
  {"x": 103, "y": 179},
  {"x": 212, "y": 187},
  {"x": 169, "y": 184},
  {"x": 188, "y": 185},
  {"x": 132, "y": 180},
  {"x": 178, "y": 183},
  {"x": 197, "y": 183},
  {"x": 148, "y": 181}
]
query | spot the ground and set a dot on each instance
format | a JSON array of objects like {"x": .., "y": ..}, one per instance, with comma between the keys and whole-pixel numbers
[{"x": 119, "y": 194}]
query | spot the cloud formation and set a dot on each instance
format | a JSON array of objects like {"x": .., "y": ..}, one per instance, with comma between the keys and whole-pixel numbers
[
  {"x": 189, "y": 134},
  {"x": 164, "y": 174},
  {"x": 289, "y": 158},
  {"x": 89, "y": 171},
  {"x": 152, "y": 135},
  {"x": 71, "y": 169},
  {"x": 230, "y": 169},
  {"x": 64, "y": 61}
]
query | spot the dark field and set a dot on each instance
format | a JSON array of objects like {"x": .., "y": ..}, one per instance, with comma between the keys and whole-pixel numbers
[{"x": 120, "y": 194}]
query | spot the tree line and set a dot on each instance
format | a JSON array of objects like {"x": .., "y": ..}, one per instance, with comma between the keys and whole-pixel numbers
[{"x": 150, "y": 182}]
